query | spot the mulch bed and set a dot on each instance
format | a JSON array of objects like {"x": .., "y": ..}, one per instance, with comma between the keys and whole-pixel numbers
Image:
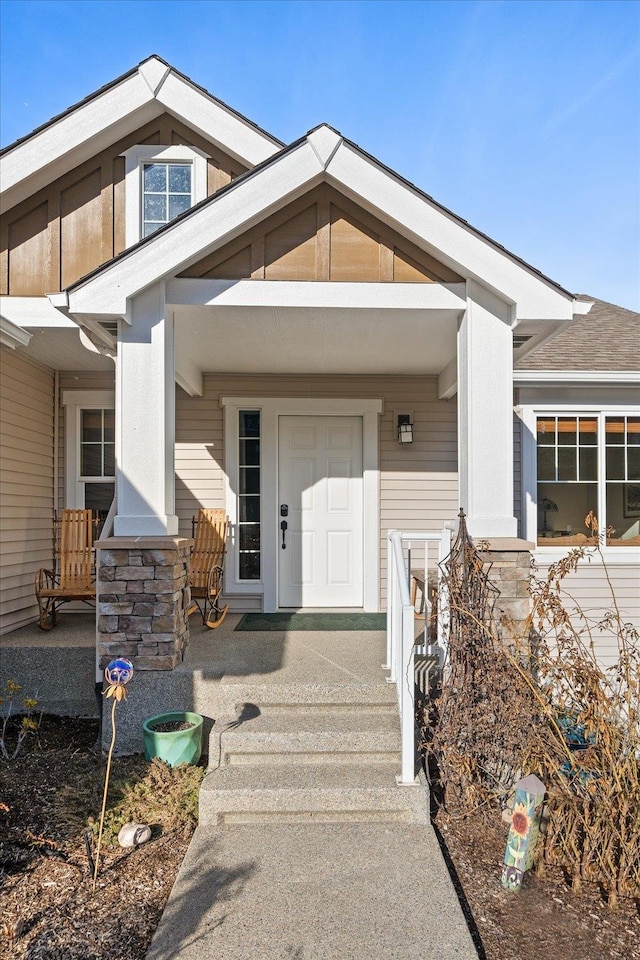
[{"x": 49, "y": 912}]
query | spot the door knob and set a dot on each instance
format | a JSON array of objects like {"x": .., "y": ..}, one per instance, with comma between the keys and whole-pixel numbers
[{"x": 283, "y": 527}]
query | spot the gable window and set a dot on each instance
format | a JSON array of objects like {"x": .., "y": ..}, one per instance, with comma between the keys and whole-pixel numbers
[
  {"x": 588, "y": 463},
  {"x": 166, "y": 193},
  {"x": 161, "y": 182}
]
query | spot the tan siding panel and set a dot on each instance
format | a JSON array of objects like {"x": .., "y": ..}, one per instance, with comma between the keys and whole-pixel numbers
[
  {"x": 78, "y": 220},
  {"x": 26, "y": 484},
  {"x": 290, "y": 250},
  {"x": 29, "y": 253},
  {"x": 355, "y": 252},
  {"x": 81, "y": 227}
]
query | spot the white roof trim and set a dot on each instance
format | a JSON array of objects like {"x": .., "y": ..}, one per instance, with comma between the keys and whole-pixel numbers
[
  {"x": 173, "y": 248},
  {"x": 445, "y": 237},
  {"x": 11, "y": 335},
  {"x": 139, "y": 97},
  {"x": 621, "y": 377},
  {"x": 291, "y": 174},
  {"x": 33, "y": 312}
]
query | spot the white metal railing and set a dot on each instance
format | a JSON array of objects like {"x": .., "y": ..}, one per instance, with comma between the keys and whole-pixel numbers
[{"x": 403, "y": 551}]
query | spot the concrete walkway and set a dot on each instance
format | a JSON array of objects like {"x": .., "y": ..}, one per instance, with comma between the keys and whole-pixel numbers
[{"x": 307, "y": 849}]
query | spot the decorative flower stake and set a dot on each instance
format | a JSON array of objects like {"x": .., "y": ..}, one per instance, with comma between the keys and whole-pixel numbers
[{"x": 117, "y": 674}]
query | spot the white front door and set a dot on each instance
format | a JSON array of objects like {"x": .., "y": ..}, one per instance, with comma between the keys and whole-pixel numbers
[{"x": 320, "y": 491}]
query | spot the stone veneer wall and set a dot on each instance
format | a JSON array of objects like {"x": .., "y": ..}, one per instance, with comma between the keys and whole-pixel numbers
[
  {"x": 143, "y": 600},
  {"x": 510, "y": 572}
]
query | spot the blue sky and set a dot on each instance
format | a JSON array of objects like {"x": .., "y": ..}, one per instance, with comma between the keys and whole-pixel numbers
[{"x": 522, "y": 116}]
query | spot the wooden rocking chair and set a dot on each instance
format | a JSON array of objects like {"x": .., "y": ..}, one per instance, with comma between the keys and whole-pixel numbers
[
  {"x": 73, "y": 574},
  {"x": 206, "y": 571}
]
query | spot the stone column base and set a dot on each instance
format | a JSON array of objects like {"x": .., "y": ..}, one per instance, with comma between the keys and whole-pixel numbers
[
  {"x": 143, "y": 597},
  {"x": 510, "y": 560}
]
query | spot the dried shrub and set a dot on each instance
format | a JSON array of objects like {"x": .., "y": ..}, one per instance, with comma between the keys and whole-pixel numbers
[{"x": 541, "y": 702}]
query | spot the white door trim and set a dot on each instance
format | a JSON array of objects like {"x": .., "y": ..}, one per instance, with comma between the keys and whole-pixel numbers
[{"x": 271, "y": 408}]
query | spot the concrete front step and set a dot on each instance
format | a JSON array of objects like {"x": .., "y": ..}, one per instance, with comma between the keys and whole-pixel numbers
[
  {"x": 279, "y": 697},
  {"x": 333, "y": 737},
  {"x": 332, "y": 793}
]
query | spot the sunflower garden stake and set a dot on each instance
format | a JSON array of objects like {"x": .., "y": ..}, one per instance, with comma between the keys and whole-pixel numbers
[
  {"x": 523, "y": 835},
  {"x": 117, "y": 674}
]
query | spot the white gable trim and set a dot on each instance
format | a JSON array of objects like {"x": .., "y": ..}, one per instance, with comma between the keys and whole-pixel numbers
[
  {"x": 177, "y": 246},
  {"x": 456, "y": 244},
  {"x": 291, "y": 174},
  {"x": 91, "y": 126}
]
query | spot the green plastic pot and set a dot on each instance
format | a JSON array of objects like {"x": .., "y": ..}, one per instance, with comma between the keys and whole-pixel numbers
[{"x": 173, "y": 746}]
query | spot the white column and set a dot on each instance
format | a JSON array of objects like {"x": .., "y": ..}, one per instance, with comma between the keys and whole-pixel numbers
[
  {"x": 485, "y": 415},
  {"x": 145, "y": 420}
]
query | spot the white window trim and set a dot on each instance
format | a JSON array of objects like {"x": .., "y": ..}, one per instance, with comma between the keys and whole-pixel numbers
[
  {"x": 136, "y": 157},
  {"x": 271, "y": 409},
  {"x": 74, "y": 401},
  {"x": 529, "y": 413}
]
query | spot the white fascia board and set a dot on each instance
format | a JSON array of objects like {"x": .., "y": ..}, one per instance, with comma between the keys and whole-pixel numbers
[
  {"x": 33, "y": 312},
  {"x": 189, "y": 239},
  {"x": 309, "y": 293},
  {"x": 11, "y": 335},
  {"x": 450, "y": 241},
  {"x": 621, "y": 377},
  {"x": 34, "y": 162},
  {"x": 235, "y": 136}
]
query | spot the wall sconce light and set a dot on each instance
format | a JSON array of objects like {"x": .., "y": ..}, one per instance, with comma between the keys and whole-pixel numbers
[{"x": 405, "y": 428}]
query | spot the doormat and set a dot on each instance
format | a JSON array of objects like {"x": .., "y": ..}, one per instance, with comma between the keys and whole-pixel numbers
[{"x": 312, "y": 621}]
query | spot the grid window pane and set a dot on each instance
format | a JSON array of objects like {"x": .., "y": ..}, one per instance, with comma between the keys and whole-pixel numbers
[
  {"x": 567, "y": 463},
  {"x": 178, "y": 204},
  {"x": 155, "y": 208},
  {"x": 249, "y": 509},
  {"x": 567, "y": 435},
  {"x": 91, "y": 460},
  {"x": 155, "y": 177},
  {"x": 250, "y": 452},
  {"x": 180, "y": 178},
  {"x": 633, "y": 464},
  {"x": 91, "y": 426},
  {"x": 588, "y": 463},
  {"x": 249, "y": 423},
  {"x": 633, "y": 431},
  {"x": 615, "y": 463},
  {"x": 249, "y": 566},
  {"x": 615, "y": 431},
  {"x": 109, "y": 425},
  {"x": 546, "y": 463},
  {"x": 249, "y": 480}
]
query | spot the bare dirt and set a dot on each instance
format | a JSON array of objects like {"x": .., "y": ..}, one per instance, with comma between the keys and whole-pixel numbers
[{"x": 50, "y": 792}]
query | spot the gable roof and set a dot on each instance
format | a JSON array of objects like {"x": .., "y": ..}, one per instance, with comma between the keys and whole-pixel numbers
[
  {"x": 323, "y": 155},
  {"x": 118, "y": 108},
  {"x": 606, "y": 338}
]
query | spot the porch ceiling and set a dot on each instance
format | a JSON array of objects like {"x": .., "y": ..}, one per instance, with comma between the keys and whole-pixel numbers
[{"x": 314, "y": 340}]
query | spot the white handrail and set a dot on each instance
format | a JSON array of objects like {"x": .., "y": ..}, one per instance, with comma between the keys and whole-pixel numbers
[{"x": 401, "y": 634}]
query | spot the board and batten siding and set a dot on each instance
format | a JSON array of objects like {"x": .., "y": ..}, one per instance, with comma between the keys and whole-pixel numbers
[
  {"x": 26, "y": 483},
  {"x": 418, "y": 482},
  {"x": 77, "y": 222}
]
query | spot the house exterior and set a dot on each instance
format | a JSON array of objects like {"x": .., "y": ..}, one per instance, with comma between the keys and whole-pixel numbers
[{"x": 194, "y": 314}]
